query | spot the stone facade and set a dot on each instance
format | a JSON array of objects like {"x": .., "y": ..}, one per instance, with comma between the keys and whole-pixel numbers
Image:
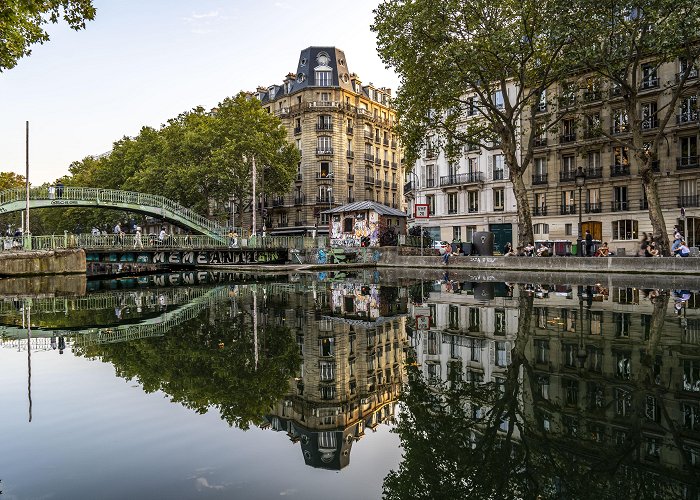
[{"x": 344, "y": 131}]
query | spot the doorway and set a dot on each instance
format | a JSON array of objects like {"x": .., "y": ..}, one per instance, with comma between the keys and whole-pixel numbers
[
  {"x": 502, "y": 234},
  {"x": 596, "y": 229}
]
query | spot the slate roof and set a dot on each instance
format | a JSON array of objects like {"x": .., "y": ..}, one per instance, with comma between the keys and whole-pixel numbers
[{"x": 358, "y": 206}]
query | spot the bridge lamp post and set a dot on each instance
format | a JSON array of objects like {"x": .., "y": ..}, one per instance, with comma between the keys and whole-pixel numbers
[{"x": 580, "y": 182}]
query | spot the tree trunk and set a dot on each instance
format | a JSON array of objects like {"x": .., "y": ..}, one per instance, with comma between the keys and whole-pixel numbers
[
  {"x": 656, "y": 216},
  {"x": 521, "y": 199}
]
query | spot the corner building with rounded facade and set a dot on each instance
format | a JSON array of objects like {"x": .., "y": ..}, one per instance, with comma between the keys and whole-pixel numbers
[{"x": 344, "y": 132}]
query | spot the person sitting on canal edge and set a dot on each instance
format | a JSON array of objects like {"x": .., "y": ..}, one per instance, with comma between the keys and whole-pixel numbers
[
  {"x": 589, "y": 244},
  {"x": 543, "y": 250},
  {"x": 603, "y": 251},
  {"x": 446, "y": 254},
  {"x": 683, "y": 250},
  {"x": 508, "y": 250}
]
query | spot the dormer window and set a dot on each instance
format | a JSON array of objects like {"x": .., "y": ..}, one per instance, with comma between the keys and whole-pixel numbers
[
  {"x": 323, "y": 78},
  {"x": 272, "y": 92}
]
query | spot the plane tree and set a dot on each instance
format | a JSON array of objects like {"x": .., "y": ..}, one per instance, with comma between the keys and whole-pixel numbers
[
  {"x": 471, "y": 72},
  {"x": 628, "y": 43}
]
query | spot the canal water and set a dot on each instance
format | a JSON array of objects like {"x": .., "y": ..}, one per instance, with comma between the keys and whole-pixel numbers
[{"x": 401, "y": 384}]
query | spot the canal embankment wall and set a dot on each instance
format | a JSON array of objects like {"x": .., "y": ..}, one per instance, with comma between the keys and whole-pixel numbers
[
  {"x": 392, "y": 257},
  {"x": 38, "y": 262}
]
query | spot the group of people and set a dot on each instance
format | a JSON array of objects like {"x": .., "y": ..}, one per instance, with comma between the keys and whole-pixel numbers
[
  {"x": 679, "y": 248},
  {"x": 528, "y": 250},
  {"x": 648, "y": 246}
]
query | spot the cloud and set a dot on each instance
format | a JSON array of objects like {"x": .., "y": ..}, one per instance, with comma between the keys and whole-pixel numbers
[
  {"x": 212, "y": 13},
  {"x": 201, "y": 483},
  {"x": 289, "y": 491}
]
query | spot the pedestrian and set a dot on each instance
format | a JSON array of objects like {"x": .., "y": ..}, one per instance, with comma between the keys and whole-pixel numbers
[
  {"x": 589, "y": 244},
  {"x": 683, "y": 250},
  {"x": 230, "y": 238},
  {"x": 644, "y": 245},
  {"x": 117, "y": 233},
  {"x": 446, "y": 255},
  {"x": 52, "y": 192},
  {"x": 162, "y": 235},
  {"x": 138, "y": 242},
  {"x": 59, "y": 189}
]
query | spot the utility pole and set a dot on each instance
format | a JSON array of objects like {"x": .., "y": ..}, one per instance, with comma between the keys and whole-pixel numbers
[
  {"x": 255, "y": 200},
  {"x": 27, "y": 232}
]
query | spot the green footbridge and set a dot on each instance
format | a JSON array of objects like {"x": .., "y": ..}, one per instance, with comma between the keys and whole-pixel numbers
[{"x": 14, "y": 200}]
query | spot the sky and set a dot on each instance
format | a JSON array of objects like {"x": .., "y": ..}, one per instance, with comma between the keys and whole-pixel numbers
[{"x": 141, "y": 62}]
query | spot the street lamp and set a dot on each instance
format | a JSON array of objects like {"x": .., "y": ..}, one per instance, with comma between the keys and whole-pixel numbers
[
  {"x": 330, "y": 207},
  {"x": 580, "y": 182},
  {"x": 581, "y": 355}
]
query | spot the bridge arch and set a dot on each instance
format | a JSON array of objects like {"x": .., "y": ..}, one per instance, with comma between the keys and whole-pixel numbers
[{"x": 14, "y": 200}]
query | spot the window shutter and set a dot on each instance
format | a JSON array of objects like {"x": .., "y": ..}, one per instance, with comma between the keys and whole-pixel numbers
[
  {"x": 508, "y": 348},
  {"x": 489, "y": 168},
  {"x": 492, "y": 353}
]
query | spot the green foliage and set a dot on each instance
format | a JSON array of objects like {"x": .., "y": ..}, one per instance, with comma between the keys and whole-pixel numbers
[
  {"x": 22, "y": 22},
  {"x": 11, "y": 180},
  {"x": 447, "y": 52},
  {"x": 206, "y": 364}
]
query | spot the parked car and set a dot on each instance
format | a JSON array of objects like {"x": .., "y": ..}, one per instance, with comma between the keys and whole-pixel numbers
[{"x": 441, "y": 245}]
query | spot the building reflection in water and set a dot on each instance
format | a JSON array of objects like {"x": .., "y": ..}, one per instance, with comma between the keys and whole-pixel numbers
[
  {"x": 352, "y": 340},
  {"x": 592, "y": 392}
]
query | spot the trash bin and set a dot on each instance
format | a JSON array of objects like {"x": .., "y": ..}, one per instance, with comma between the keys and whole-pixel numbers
[
  {"x": 483, "y": 243},
  {"x": 562, "y": 247},
  {"x": 574, "y": 249},
  {"x": 467, "y": 248}
]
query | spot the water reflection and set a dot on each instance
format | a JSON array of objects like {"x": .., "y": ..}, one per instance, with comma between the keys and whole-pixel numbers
[
  {"x": 540, "y": 390},
  {"x": 552, "y": 391}
]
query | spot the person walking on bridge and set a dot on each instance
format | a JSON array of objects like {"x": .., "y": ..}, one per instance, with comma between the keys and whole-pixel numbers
[{"x": 138, "y": 242}]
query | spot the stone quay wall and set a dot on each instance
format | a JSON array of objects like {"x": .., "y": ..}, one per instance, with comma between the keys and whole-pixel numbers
[{"x": 38, "y": 262}]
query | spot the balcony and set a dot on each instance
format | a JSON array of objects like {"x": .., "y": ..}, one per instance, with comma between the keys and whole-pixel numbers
[
  {"x": 377, "y": 161},
  {"x": 619, "y": 170},
  {"x": 351, "y": 178},
  {"x": 369, "y": 180},
  {"x": 430, "y": 183},
  {"x": 684, "y": 118},
  {"x": 650, "y": 123},
  {"x": 451, "y": 211},
  {"x": 278, "y": 202},
  {"x": 349, "y": 154},
  {"x": 394, "y": 165},
  {"x": 324, "y": 127},
  {"x": 593, "y": 208},
  {"x": 351, "y": 199},
  {"x": 687, "y": 162},
  {"x": 386, "y": 184},
  {"x": 349, "y": 130},
  {"x": 649, "y": 83},
  {"x": 369, "y": 135},
  {"x": 539, "y": 211},
  {"x": 386, "y": 163},
  {"x": 592, "y": 96},
  {"x": 593, "y": 133},
  {"x": 567, "y": 138},
  {"x": 619, "y": 206},
  {"x": 408, "y": 187},
  {"x": 689, "y": 201},
  {"x": 567, "y": 176},
  {"x": 385, "y": 142},
  {"x": 430, "y": 153},
  {"x": 300, "y": 223},
  {"x": 320, "y": 200},
  {"x": 324, "y": 151},
  {"x": 693, "y": 74},
  {"x": 300, "y": 200},
  {"x": 297, "y": 130},
  {"x": 567, "y": 209},
  {"x": 369, "y": 158},
  {"x": 324, "y": 176},
  {"x": 539, "y": 179},
  {"x": 394, "y": 185},
  {"x": 539, "y": 142},
  {"x": 378, "y": 182},
  {"x": 283, "y": 224},
  {"x": 459, "y": 179},
  {"x": 299, "y": 177},
  {"x": 594, "y": 173},
  {"x": 499, "y": 175},
  {"x": 393, "y": 144}
]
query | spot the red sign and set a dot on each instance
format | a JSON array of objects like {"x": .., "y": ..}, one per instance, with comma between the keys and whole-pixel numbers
[{"x": 421, "y": 211}]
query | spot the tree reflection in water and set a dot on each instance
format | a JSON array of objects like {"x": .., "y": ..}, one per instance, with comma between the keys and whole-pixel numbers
[
  {"x": 211, "y": 362},
  {"x": 510, "y": 438}
]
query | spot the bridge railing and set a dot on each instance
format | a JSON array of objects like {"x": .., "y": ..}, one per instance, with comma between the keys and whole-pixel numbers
[
  {"x": 111, "y": 196},
  {"x": 152, "y": 242}
]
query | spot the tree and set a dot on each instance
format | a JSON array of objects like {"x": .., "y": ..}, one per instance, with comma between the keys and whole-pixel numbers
[
  {"x": 625, "y": 42},
  {"x": 459, "y": 57},
  {"x": 11, "y": 180},
  {"x": 22, "y": 21}
]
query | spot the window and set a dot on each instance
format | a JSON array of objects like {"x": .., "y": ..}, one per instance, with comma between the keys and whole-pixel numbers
[
  {"x": 623, "y": 402},
  {"x": 473, "y": 201},
  {"x": 324, "y": 168},
  {"x": 568, "y": 130},
  {"x": 327, "y": 392},
  {"x": 498, "y": 99},
  {"x": 327, "y": 346},
  {"x": 323, "y": 78},
  {"x": 540, "y": 228},
  {"x": 498, "y": 168},
  {"x": 691, "y": 416},
  {"x": 620, "y": 121},
  {"x": 325, "y": 123},
  {"x": 620, "y": 198},
  {"x": 454, "y": 318},
  {"x": 689, "y": 150},
  {"x": 540, "y": 204},
  {"x": 499, "y": 322},
  {"x": 472, "y": 106},
  {"x": 498, "y": 200},
  {"x": 568, "y": 228},
  {"x": 649, "y": 78},
  {"x": 593, "y": 125},
  {"x": 470, "y": 233},
  {"x": 430, "y": 200},
  {"x": 457, "y": 233},
  {"x": 543, "y": 386},
  {"x": 542, "y": 351},
  {"x": 568, "y": 94},
  {"x": 326, "y": 370},
  {"x": 571, "y": 391},
  {"x": 649, "y": 120},
  {"x": 568, "y": 167},
  {"x": 474, "y": 319},
  {"x": 475, "y": 351},
  {"x": 691, "y": 375},
  {"x": 542, "y": 105},
  {"x": 452, "y": 203},
  {"x": 325, "y": 144},
  {"x": 688, "y": 192},
  {"x": 501, "y": 354},
  {"x": 688, "y": 109},
  {"x": 540, "y": 166},
  {"x": 624, "y": 229}
]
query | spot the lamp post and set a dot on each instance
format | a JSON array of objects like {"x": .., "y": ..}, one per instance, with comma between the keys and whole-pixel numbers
[
  {"x": 581, "y": 355},
  {"x": 330, "y": 207},
  {"x": 580, "y": 182},
  {"x": 415, "y": 188}
]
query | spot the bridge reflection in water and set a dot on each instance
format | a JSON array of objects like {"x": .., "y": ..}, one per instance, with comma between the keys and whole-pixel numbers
[{"x": 547, "y": 390}]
